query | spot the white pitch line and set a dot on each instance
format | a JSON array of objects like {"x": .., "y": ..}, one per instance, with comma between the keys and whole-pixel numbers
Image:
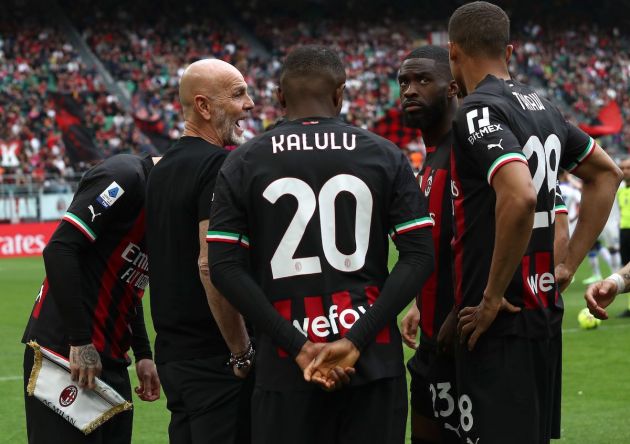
[
  {"x": 10, "y": 378},
  {"x": 607, "y": 327}
]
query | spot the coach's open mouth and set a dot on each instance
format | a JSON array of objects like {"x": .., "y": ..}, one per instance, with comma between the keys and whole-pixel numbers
[{"x": 239, "y": 130}]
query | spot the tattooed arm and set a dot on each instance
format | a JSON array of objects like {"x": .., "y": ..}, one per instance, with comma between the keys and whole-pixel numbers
[
  {"x": 85, "y": 365},
  {"x": 601, "y": 294}
]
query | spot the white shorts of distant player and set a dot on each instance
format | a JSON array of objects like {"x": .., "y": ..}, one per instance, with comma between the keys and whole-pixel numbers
[{"x": 609, "y": 236}]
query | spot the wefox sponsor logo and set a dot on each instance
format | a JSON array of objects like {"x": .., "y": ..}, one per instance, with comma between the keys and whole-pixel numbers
[
  {"x": 323, "y": 326},
  {"x": 539, "y": 283},
  {"x": 324, "y": 322}
]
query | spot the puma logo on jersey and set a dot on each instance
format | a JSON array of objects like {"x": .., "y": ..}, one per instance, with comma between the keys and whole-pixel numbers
[
  {"x": 495, "y": 145},
  {"x": 447, "y": 426},
  {"x": 94, "y": 215}
]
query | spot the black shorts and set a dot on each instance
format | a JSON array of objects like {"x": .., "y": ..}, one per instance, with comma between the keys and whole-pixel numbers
[
  {"x": 509, "y": 390},
  {"x": 45, "y": 426},
  {"x": 374, "y": 413},
  {"x": 208, "y": 404},
  {"x": 434, "y": 391}
]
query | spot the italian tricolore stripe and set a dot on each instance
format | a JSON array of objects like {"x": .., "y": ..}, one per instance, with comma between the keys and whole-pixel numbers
[
  {"x": 506, "y": 158},
  {"x": 227, "y": 237},
  {"x": 411, "y": 225},
  {"x": 82, "y": 226},
  {"x": 590, "y": 147}
]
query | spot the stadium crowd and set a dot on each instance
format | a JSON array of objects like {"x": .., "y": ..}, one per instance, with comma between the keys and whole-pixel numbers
[
  {"x": 582, "y": 69},
  {"x": 37, "y": 66}
]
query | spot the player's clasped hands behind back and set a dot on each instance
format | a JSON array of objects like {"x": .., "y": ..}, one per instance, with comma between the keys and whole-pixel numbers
[{"x": 329, "y": 365}]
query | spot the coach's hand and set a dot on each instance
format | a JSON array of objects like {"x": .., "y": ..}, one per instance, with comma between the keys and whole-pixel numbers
[
  {"x": 474, "y": 321},
  {"x": 334, "y": 365},
  {"x": 149, "y": 389},
  {"x": 85, "y": 365},
  {"x": 563, "y": 276},
  {"x": 599, "y": 296},
  {"x": 409, "y": 326}
]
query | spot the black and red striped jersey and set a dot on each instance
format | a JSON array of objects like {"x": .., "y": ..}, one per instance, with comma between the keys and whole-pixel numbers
[
  {"x": 314, "y": 201},
  {"x": 436, "y": 300},
  {"x": 502, "y": 122},
  {"x": 108, "y": 212}
]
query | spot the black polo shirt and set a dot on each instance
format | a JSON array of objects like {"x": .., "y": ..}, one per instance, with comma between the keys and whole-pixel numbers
[{"x": 179, "y": 193}]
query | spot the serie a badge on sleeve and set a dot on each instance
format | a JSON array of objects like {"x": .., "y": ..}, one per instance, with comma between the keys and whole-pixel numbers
[{"x": 86, "y": 409}]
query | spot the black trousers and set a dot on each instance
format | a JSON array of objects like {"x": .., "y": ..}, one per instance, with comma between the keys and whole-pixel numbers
[
  {"x": 374, "y": 413},
  {"x": 43, "y": 426},
  {"x": 208, "y": 404},
  {"x": 624, "y": 245}
]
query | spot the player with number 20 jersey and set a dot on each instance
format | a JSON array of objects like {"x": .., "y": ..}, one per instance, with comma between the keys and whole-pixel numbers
[{"x": 313, "y": 201}]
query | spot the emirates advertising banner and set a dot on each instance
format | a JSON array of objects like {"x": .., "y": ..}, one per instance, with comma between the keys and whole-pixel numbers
[{"x": 22, "y": 240}]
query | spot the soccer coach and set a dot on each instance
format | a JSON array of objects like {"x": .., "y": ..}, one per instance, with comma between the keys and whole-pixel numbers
[{"x": 198, "y": 331}]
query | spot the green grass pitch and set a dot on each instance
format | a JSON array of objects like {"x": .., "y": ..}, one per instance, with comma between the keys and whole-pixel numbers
[{"x": 596, "y": 376}]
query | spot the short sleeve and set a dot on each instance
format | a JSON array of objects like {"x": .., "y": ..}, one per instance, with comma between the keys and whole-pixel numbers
[
  {"x": 579, "y": 146},
  {"x": 559, "y": 205},
  {"x": 101, "y": 193},
  {"x": 228, "y": 216},
  {"x": 208, "y": 175},
  {"x": 482, "y": 133},
  {"x": 408, "y": 209}
]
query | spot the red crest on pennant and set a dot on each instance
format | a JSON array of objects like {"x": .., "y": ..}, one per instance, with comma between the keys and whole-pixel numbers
[{"x": 68, "y": 395}]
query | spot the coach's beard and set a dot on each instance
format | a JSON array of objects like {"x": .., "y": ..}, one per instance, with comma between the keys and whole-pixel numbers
[{"x": 231, "y": 132}]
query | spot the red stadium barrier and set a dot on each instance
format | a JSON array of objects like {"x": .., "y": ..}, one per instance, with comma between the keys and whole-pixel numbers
[{"x": 21, "y": 240}]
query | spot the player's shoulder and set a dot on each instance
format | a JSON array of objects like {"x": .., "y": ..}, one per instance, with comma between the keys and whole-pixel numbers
[
  {"x": 192, "y": 149},
  {"x": 127, "y": 168}
]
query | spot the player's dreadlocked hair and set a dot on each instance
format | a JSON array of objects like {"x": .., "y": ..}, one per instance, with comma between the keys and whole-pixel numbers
[
  {"x": 313, "y": 61},
  {"x": 480, "y": 29},
  {"x": 435, "y": 53}
]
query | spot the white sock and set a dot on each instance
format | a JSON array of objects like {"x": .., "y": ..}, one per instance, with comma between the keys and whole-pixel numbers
[
  {"x": 616, "y": 261},
  {"x": 607, "y": 257},
  {"x": 594, "y": 265}
]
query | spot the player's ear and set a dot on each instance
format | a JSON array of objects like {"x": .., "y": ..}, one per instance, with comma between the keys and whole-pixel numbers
[
  {"x": 509, "y": 49},
  {"x": 338, "y": 97},
  {"x": 452, "y": 51},
  {"x": 453, "y": 89},
  {"x": 203, "y": 107},
  {"x": 280, "y": 97}
]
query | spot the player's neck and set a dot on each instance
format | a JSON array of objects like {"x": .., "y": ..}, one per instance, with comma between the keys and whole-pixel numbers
[
  {"x": 433, "y": 135},
  {"x": 479, "y": 69},
  {"x": 310, "y": 109},
  {"x": 209, "y": 134}
]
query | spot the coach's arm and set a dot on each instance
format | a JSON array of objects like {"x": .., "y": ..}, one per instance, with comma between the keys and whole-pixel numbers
[{"x": 229, "y": 321}]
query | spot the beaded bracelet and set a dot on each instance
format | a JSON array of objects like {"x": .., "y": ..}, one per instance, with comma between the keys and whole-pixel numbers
[{"x": 244, "y": 359}]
